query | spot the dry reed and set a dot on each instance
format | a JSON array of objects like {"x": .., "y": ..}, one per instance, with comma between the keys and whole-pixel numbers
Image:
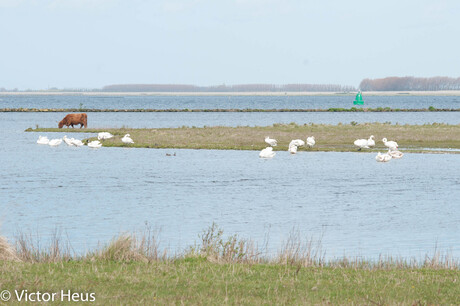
[{"x": 213, "y": 247}]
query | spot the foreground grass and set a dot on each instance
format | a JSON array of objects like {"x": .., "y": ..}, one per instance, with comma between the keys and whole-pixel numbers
[
  {"x": 223, "y": 270},
  {"x": 197, "y": 281},
  {"x": 328, "y": 137}
]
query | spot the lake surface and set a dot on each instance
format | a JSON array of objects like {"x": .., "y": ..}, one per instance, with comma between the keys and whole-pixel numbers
[
  {"x": 226, "y": 102},
  {"x": 358, "y": 206},
  {"x": 141, "y": 120}
]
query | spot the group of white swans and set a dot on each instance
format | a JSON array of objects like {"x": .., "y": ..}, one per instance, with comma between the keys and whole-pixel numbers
[
  {"x": 392, "y": 146},
  {"x": 293, "y": 145},
  {"x": 78, "y": 143}
]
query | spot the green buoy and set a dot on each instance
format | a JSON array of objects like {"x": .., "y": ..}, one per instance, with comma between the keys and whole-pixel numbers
[{"x": 359, "y": 99}]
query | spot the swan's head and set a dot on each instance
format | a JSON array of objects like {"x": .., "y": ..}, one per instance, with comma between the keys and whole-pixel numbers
[
  {"x": 127, "y": 135},
  {"x": 372, "y": 137},
  {"x": 384, "y": 140},
  {"x": 266, "y": 137}
]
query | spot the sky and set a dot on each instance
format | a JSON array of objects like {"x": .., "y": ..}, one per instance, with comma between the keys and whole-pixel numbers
[{"x": 92, "y": 43}]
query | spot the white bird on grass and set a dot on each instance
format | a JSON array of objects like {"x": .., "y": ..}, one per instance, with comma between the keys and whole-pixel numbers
[
  {"x": 104, "y": 135},
  {"x": 383, "y": 157},
  {"x": 364, "y": 143},
  {"x": 371, "y": 141},
  {"x": 271, "y": 141},
  {"x": 43, "y": 140},
  {"x": 392, "y": 145},
  {"x": 311, "y": 141},
  {"x": 55, "y": 142},
  {"x": 267, "y": 153},
  {"x": 297, "y": 142},
  {"x": 126, "y": 139},
  {"x": 94, "y": 144}
]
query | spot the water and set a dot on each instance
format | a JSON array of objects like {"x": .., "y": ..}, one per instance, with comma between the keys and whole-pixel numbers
[
  {"x": 226, "y": 102},
  {"x": 141, "y": 120},
  {"x": 360, "y": 207}
]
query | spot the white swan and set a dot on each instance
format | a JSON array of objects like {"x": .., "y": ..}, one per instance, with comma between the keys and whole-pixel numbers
[
  {"x": 364, "y": 143},
  {"x": 43, "y": 140},
  {"x": 292, "y": 149},
  {"x": 383, "y": 157},
  {"x": 77, "y": 142},
  {"x": 361, "y": 143},
  {"x": 126, "y": 139},
  {"x": 55, "y": 142},
  {"x": 392, "y": 145},
  {"x": 68, "y": 141},
  {"x": 395, "y": 154},
  {"x": 94, "y": 144},
  {"x": 371, "y": 141},
  {"x": 297, "y": 142},
  {"x": 311, "y": 141},
  {"x": 267, "y": 153},
  {"x": 104, "y": 135},
  {"x": 271, "y": 141}
]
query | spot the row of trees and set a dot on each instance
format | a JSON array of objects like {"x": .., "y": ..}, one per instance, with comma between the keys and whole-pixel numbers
[
  {"x": 410, "y": 84},
  {"x": 227, "y": 88}
]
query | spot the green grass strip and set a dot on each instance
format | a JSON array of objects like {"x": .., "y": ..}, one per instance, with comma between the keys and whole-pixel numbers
[{"x": 197, "y": 281}]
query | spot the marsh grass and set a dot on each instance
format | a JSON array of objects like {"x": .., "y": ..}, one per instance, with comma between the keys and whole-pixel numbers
[
  {"x": 221, "y": 269},
  {"x": 29, "y": 248},
  {"x": 338, "y": 138},
  {"x": 213, "y": 246},
  {"x": 7, "y": 252},
  {"x": 131, "y": 247}
]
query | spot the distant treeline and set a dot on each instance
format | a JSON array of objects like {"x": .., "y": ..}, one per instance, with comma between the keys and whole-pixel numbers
[
  {"x": 407, "y": 83},
  {"x": 228, "y": 88},
  {"x": 410, "y": 84}
]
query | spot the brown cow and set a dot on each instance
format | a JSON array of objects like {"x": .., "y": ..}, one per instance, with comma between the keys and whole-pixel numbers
[{"x": 71, "y": 119}]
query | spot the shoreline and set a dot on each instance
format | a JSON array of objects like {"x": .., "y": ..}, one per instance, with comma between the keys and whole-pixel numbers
[
  {"x": 274, "y": 94},
  {"x": 219, "y": 269}
]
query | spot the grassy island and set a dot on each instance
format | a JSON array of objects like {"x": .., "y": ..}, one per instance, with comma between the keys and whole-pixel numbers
[{"x": 339, "y": 138}]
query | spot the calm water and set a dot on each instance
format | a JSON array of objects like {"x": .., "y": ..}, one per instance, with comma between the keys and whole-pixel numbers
[
  {"x": 140, "y": 120},
  {"x": 359, "y": 206},
  {"x": 240, "y": 102}
]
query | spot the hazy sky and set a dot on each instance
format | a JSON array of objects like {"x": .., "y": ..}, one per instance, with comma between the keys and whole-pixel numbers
[{"x": 92, "y": 43}]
